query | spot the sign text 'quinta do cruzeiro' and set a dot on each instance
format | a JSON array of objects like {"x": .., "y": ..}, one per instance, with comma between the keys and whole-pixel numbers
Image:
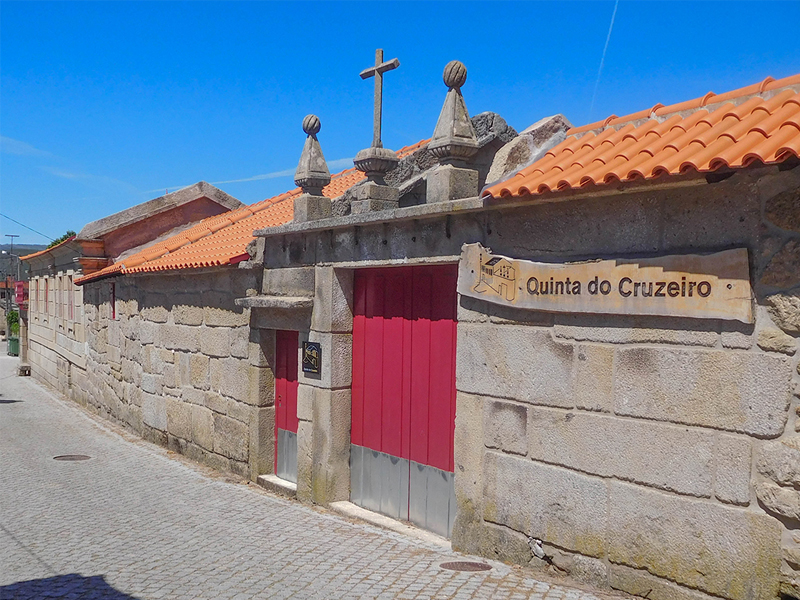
[{"x": 711, "y": 286}]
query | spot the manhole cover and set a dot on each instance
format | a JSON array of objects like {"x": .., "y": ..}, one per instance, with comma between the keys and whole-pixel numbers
[
  {"x": 72, "y": 457},
  {"x": 463, "y": 565}
]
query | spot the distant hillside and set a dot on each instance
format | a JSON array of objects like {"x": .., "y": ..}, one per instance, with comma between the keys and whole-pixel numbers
[
  {"x": 23, "y": 249},
  {"x": 9, "y": 263}
]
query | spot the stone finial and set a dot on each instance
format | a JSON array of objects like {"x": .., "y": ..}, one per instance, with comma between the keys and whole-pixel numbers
[
  {"x": 311, "y": 124},
  {"x": 455, "y": 74},
  {"x": 312, "y": 175},
  {"x": 454, "y": 140},
  {"x": 312, "y": 172}
]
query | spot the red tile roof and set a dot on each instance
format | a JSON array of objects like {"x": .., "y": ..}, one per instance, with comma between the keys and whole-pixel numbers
[
  {"x": 223, "y": 239},
  {"x": 755, "y": 124},
  {"x": 46, "y": 250}
]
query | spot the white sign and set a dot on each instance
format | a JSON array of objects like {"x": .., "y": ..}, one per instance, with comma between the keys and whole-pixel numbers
[{"x": 706, "y": 286}]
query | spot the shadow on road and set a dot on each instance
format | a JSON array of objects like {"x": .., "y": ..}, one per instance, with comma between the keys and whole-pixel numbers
[{"x": 72, "y": 586}]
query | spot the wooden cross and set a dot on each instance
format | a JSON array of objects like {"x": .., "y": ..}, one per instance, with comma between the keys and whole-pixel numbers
[{"x": 377, "y": 71}]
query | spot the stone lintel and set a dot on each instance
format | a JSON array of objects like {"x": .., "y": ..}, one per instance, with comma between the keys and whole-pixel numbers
[
  {"x": 447, "y": 182},
  {"x": 311, "y": 208}
]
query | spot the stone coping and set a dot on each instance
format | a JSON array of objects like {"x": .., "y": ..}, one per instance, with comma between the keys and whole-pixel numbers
[
  {"x": 290, "y": 302},
  {"x": 409, "y": 212},
  {"x": 145, "y": 210},
  {"x": 465, "y": 205}
]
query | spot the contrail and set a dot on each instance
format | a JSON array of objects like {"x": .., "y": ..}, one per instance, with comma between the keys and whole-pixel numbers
[
  {"x": 603, "y": 59},
  {"x": 333, "y": 164}
]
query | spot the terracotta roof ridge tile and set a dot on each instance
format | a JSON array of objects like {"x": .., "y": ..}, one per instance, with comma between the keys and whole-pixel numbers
[
  {"x": 48, "y": 249},
  {"x": 642, "y": 114},
  {"x": 659, "y": 110},
  {"x": 591, "y": 126},
  {"x": 776, "y": 84}
]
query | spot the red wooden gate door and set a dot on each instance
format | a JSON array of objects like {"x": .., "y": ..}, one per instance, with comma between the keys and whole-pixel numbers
[
  {"x": 286, "y": 405},
  {"x": 404, "y": 395}
]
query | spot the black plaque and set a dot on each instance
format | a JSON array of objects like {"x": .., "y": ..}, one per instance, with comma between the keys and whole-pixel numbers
[{"x": 312, "y": 357}]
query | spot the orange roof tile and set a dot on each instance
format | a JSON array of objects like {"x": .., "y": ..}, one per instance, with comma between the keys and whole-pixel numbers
[
  {"x": 223, "y": 239},
  {"x": 46, "y": 250},
  {"x": 759, "y": 123}
]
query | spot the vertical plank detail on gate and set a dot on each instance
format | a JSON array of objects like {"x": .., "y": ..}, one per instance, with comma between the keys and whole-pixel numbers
[
  {"x": 404, "y": 335},
  {"x": 443, "y": 363},
  {"x": 420, "y": 366},
  {"x": 373, "y": 363},
  {"x": 392, "y": 426},
  {"x": 359, "y": 327}
]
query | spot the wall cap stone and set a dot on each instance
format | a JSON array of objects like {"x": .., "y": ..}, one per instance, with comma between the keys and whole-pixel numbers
[{"x": 285, "y": 302}]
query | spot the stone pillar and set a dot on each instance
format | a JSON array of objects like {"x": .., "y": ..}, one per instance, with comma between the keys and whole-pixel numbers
[
  {"x": 262, "y": 400},
  {"x": 454, "y": 142},
  {"x": 323, "y": 401},
  {"x": 24, "y": 368},
  {"x": 312, "y": 175}
]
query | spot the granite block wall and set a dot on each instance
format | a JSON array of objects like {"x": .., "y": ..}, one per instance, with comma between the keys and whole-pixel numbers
[
  {"x": 177, "y": 362},
  {"x": 652, "y": 455},
  {"x": 658, "y": 456}
]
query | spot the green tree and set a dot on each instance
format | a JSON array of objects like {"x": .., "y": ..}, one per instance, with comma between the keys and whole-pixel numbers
[
  {"x": 63, "y": 238},
  {"x": 12, "y": 318}
]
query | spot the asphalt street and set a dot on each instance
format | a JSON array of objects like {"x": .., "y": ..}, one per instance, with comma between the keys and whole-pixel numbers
[{"x": 136, "y": 521}]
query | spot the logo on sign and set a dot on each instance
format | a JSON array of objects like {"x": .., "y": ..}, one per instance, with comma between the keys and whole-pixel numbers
[
  {"x": 312, "y": 357},
  {"x": 498, "y": 277}
]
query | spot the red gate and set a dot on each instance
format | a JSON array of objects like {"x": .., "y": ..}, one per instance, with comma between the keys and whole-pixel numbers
[
  {"x": 286, "y": 404},
  {"x": 403, "y": 402}
]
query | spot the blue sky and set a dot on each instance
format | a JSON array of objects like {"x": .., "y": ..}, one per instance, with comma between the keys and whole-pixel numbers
[{"x": 105, "y": 105}]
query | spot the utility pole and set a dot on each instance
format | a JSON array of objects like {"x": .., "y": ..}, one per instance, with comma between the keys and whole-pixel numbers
[
  {"x": 11, "y": 266},
  {"x": 8, "y": 298},
  {"x": 12, "y": 236}
]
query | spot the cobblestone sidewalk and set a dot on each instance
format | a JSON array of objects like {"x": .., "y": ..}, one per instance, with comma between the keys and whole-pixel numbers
[{"x": 133, "y": 522}]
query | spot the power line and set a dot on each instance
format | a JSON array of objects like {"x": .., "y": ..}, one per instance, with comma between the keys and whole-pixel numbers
[{"x": 26, "y": 227}]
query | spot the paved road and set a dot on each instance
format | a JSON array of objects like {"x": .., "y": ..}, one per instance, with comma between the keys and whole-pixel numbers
[{"x": 137, "y": 522}]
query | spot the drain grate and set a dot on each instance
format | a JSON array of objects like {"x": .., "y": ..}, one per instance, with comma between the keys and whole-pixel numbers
[
  {"x": 72, "y": 457},
  {"x": 464, "y": 565}
]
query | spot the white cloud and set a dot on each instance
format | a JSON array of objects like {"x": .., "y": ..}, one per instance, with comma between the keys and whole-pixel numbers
[
  {"x": 11, "y": 146},
  {"x": 96, "y": 182},
  {"x": 333, "y": 165},
  {"x": 62, "y": 173},
  {"x": 273, "y": 175}
]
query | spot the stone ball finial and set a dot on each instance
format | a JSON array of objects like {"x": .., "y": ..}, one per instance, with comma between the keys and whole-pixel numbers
[
  {"x": 455, "y": 74},
  {"x": 311, "y": 124}
]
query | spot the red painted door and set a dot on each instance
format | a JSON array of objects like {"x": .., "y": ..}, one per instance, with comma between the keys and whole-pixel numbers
[
  {"x": 286, "y": 349},
  {"x": 403, "y": 395}
]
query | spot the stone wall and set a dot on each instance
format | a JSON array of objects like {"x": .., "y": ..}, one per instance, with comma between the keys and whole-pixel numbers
[
  {"x": 653, "y": 455},
  {"x": 56, "y": 334},
  {"x": 178, "y": 364}
]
